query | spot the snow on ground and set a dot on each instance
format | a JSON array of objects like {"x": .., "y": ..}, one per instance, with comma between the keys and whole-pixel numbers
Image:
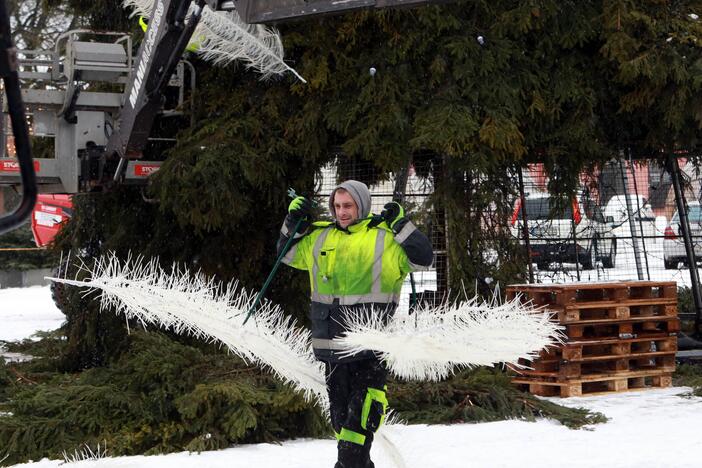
[
  {"x": 24, "y": 311},
  {"x": 650, "y": 261},
  {"x": 655, "y": 428}
]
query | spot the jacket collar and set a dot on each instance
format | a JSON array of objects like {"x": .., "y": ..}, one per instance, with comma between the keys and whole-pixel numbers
[{"x": 362, "y": 225}]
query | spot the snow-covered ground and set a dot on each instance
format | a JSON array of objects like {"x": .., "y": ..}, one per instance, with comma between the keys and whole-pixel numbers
[
  {"x": 655, "y": 428},
  {"x": 24, "y": 311},
  {"x": 650, "y": 260}
]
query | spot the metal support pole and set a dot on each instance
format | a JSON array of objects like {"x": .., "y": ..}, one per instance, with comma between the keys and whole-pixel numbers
[
  {"x": 674, "y": 171},
  {"x": 399, "y": 197},
  {"x": 525, "y": 224},
  {"x": 638, "y": 212},
  {"x": 632, "y": 225},
  {"x": 575, "y": 245}
]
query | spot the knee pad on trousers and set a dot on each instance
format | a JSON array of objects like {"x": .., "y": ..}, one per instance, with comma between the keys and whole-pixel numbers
[{"x": 374, "y": 408}]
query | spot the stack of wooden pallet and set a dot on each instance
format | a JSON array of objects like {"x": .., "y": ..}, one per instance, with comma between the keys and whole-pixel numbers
[{"x": 620, "y": 336}]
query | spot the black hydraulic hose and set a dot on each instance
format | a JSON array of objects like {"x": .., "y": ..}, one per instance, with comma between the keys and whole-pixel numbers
[{"x": 8, "y": 70}]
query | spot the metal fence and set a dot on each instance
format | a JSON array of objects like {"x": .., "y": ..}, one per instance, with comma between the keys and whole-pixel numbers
[{"x": 623, "y": 224}]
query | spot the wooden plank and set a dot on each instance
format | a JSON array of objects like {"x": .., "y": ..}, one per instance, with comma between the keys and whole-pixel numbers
[
  {"x": 650, "y": 318},
  {"x": 628, "y": 356},
  {"x": 591, "y": 285},
  {"x": 662, "y": 336},
  {"x": 612, "y": 357},
  {"x": 594, "y": 292},
  {"x": 611, "y": 304},
  {"x": 598, "y": 377}
]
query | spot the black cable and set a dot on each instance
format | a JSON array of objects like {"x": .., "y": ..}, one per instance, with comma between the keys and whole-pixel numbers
[{"x": 8, "y": 70}]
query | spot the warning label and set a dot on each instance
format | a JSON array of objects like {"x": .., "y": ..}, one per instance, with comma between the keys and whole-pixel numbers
[
  {"x": 145, "y": 170},
  {"x": 12, "y": 165}
]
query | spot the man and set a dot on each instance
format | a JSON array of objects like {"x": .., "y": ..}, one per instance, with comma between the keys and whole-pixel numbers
[{"x": 354, "y": 262}]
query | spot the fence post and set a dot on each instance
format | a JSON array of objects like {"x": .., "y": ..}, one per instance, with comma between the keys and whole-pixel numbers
[
  {"x": 638, "y": 212},
  {"x": 525, "y": 224},
  {"x": 674, "y": 171},
  {"x": 575, "y": 244},
  {"x": 632, "y": 225}
]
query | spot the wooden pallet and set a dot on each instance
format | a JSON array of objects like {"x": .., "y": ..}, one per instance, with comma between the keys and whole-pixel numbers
[
  {"x": 632, "y": 327},
  {"x": 593, "y": 293},
  {"x": 659, "y": 307},
  {"x": 559, "y": 371},
  {"x": 591, "y": 350},
  {"x": 620, "y": 336},
  {"x": 597, "y": 384}
]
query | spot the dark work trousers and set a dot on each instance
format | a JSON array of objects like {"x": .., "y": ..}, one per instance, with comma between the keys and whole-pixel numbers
[{"x": 347, "y": 384}]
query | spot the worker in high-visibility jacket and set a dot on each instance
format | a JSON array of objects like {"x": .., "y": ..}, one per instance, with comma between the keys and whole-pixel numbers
[{"x": 355, "y": 262}]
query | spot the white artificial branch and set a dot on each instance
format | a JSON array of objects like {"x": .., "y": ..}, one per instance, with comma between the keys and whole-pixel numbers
[
  {"x": 224, "y": 38},
  {"x": 386, "y": 436},
  {"x": 192, "y": 304},
  {"x": 429, "y": 344},
  {"x": 434, "y": 341}
]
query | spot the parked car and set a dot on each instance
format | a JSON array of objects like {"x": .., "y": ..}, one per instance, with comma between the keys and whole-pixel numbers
[
  {"x": 673, "y": 244},
  {"x": 617, "y": 216},
  {"x": 551, "y": 232}
]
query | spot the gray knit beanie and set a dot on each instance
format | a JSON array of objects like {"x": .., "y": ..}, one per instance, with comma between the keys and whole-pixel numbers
[{"x": 360, "y": 194}]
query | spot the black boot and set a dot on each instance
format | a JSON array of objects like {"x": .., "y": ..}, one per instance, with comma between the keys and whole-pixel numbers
[{"x": 351, "y": 455}]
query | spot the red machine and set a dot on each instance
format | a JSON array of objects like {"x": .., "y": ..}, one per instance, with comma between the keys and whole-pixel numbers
[{"x": 49, "y": 215}]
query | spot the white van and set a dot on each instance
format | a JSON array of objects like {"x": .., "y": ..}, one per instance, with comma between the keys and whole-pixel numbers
[
  {"x": 551, "y": 232},
  {"x": 617, "y": 216}
]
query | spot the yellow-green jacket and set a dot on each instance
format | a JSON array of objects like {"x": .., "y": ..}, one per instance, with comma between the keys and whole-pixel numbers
[{"x": 355, "y": 268}]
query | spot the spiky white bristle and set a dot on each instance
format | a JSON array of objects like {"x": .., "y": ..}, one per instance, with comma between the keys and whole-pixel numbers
[
  {"x": 385, "y": 439},
  {"x": 433, "y": 342},
  {"x": 193, "y": 304},
  {"x": 223, "y": 38}
]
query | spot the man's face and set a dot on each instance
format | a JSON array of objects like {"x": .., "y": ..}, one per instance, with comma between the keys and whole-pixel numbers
[{"x": 345, "y": 207}]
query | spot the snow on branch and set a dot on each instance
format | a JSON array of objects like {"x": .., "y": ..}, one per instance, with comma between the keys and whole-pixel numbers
[
  {"x": 434, "y": 341},
  {"x": 223, "y": 38},
  {"x": 193, "y": 304}
]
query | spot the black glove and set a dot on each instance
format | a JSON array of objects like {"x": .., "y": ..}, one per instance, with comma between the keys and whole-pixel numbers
[{"x": 393, "y": 214}]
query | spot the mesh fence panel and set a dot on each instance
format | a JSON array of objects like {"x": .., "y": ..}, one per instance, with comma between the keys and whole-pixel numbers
[{"x": 622, "y": 225}]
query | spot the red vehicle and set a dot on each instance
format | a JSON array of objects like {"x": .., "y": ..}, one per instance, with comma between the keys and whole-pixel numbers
[{"x": 50, "y": 213}]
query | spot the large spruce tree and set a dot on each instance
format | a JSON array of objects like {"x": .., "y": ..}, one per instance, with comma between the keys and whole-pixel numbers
[
  {"x": 475, "y": 88},
  {"x": 469, "y": 89}
]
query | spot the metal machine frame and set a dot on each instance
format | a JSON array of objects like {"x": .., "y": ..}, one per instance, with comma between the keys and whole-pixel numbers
[
  {"x": 62, "y": 107},
  {"x": 87, "y": 155}
]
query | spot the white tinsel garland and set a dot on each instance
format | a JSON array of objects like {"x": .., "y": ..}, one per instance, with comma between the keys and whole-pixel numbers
[
  {"x": 436, "y": 340},
  {"x": 223, "y": 38},
  {"x": 194, "y": 305},
  {"x": 427, "y": 345}
]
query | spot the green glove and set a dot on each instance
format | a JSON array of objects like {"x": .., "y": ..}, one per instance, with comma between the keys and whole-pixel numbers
[
  {"x": 393, "y": 213},
  {"x": 300, "y": 208}
]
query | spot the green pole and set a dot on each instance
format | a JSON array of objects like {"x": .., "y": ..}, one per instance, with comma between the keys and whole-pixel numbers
[
  {"x": 278, "y": 261},
  {"x": 413, "y": 301}
]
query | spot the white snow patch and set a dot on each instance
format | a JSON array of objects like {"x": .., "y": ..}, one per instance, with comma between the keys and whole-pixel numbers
[
  {"x": 24, "y": 311},
  {"x": 647, "y": 428}
]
